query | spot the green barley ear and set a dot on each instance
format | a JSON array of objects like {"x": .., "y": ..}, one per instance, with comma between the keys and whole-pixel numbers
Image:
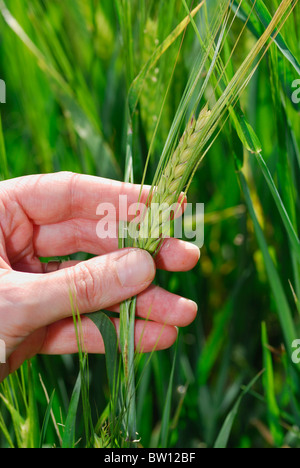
[{"x": 178, "y": 170}]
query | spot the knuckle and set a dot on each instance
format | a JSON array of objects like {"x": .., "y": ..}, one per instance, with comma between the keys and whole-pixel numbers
[{"x": 87, "y": 287}]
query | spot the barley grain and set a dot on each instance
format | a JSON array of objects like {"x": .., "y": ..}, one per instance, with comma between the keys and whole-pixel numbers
[{"x": 155, "y": 225}]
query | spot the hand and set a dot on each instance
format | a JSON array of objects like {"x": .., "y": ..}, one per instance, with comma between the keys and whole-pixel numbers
[{"x": 55, "y": 215}]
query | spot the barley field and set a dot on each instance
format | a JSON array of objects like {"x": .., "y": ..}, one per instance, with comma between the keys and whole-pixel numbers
[{"x": 200, "y": 97}]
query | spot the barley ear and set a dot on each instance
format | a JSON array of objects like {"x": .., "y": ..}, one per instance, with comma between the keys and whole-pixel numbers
[{"x": 156, "y": 223}]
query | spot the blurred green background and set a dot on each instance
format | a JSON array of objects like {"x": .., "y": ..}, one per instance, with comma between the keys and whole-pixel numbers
[{"x": 67, "y": 81}]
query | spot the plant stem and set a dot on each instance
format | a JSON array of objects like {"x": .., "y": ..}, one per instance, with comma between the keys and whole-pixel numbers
[{"x": 127, "y": 321}]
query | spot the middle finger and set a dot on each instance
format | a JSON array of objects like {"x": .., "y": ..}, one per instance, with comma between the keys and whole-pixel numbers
[{"x": 80, "y": 235}]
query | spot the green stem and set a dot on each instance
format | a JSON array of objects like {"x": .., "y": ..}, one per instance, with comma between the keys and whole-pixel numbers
[{"x": 127, "y": 322}]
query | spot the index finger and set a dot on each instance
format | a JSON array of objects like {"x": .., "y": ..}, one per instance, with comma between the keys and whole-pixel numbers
[{"x": 53, "y": 198}]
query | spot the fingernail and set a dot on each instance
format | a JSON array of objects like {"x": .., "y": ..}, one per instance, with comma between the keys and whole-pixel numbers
[
  {"x": 135, "y": 268},
  {"x": 189, "y": 310},
  {"x": 194, "y": 306},
  {"x": 194, "y": 248}
]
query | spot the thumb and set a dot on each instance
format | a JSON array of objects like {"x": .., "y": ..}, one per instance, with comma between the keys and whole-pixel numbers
[{"x": 96, "y": 284}]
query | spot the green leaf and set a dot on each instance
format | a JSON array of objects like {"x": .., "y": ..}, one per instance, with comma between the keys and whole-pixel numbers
[
  {"x": 282, "y": 305},
  {"x": 33, "y": 418},
  {"x": 214, "y": 343},
  {"x": 245, "y": 13},
  {"x": 70, "y": 425},
  {"x": 138, "y": 83},
  {"x": 223, "y": 437},
  {"x": 19, "y": 422},
  {"x": 5, "y": 432},
  {"x": 165, "y": 424},
  {"x": 255, "y": 21},
  {"x": 281, "y": 208},
  {"x": 265, "y": 17},
  {"x": 113, "y": 366},
  {"x": 269, "y": 386},
  {"x": 109, "y": 335},
  {"x": 83, "y": 124},
  {"x": 245, "y": 131},
  {"x": 102, "y": 154},
  {"x": 46, "y": 420}
]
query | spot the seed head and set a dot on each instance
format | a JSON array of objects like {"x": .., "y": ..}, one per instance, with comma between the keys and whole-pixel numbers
[{"x": 155, "y": 225}]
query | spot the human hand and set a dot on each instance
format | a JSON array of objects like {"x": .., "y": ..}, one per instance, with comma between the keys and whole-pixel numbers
[{"x": 55, "y": 215}]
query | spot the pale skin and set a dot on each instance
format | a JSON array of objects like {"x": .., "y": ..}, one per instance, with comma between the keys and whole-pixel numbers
[{"x": 55, "y": 215}]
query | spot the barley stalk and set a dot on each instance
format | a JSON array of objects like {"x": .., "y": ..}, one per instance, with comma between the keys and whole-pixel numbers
[{"x": 156, "y": 223}]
